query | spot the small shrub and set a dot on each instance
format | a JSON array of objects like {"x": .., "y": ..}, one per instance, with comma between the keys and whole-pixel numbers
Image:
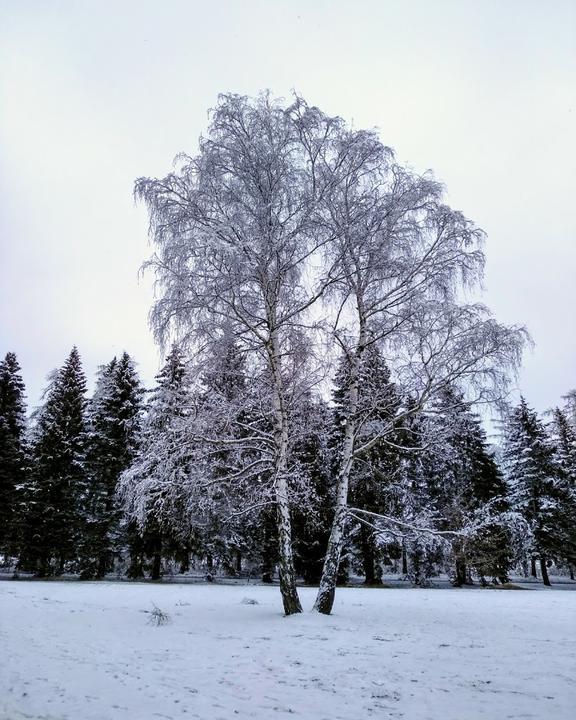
[{"x": 158, "y": 617}]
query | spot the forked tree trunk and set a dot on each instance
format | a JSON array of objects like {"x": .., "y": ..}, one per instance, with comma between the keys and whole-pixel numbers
[
  {"x": 327, "y": 589},
  {"x": 544, "y": 570},
  {"x": 288, "y": 590}
]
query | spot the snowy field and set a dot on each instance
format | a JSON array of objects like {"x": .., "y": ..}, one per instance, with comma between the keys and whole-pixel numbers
[{"x": 87, "y": 651}]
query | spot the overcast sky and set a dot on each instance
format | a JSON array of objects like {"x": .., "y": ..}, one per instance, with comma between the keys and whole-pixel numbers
[{"x": 96, "y": 94}]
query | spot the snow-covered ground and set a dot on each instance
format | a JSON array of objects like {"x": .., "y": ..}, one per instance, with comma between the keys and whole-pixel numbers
[{"x": 87, "y": 651}]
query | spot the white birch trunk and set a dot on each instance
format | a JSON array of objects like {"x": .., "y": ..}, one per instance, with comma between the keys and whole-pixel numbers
[
  {"x": 290, "y": 599},
  {"x": 327, "y": 588}
]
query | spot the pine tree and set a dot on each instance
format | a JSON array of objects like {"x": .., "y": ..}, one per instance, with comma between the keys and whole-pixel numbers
[
  {"x": 114, "y": 418},
  {"x": 223, "y": 396},
  {"x": 311, "y": 518},
  {"x": 488, "y": 548},
  {"x": 564, "y": 439},
  {"x": 564, "y": 436},
  {"x": 57, "y": 490},
  {"x": 570, "y": 408},
  {"x": 13, "y": 451},
  {"x": 421, "y": 552},
  {"x": 466, "y": 486},
  {"x": 375, "y": 473},
  {"x": 237, "y": 503},
  {"x": 532, "y": 478},
  {"x": 153, "y": 517}
]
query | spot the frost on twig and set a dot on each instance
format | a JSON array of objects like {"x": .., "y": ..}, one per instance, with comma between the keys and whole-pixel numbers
[{"x": 158, "y": 617}]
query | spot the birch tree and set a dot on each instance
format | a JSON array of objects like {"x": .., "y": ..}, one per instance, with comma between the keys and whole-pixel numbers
[
  {"x": 235, "y": 241},
  {"x": 284, "y": 207},
  {"x": 402, "y": 257}
]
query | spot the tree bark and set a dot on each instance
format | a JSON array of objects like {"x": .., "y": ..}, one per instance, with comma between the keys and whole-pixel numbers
[
  {"x": 327, "y": 589},
  {"x": 184, "y": 562},
  {"x": 368, "y": 558},
  {"x": 104, "y": 564},
  {"x": 269, "y": 545},
  {"x": 136, "y": 568},
  {"x": 461, "y": 572},
  {"x": 157, "y": 561},
  {"x": 544, "y": 570},
  {"x": 287, "y": 572},
  {"x": 533, "y": 572}
]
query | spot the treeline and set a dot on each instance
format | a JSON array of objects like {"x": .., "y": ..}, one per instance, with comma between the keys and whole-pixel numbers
[{"x": 137, "y": 482}]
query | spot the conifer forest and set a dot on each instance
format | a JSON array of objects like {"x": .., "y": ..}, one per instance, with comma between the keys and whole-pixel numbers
[{"x": 319, "y": 418}]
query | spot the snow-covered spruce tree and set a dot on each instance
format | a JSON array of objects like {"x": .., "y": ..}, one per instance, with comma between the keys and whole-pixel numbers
[
  {"x": 467, "y": 490},
  {"x": 97, "y": 448},
  {"x": 375, "y": 475},
  {"x": 570, "y": 408},
  {"x": 242, "y": 470},
  {"x": 114, "y": 419},
  {"x": 13, "y": 453},
  {"x": 231, "y": 499},
  {"x": 57, "y": 489},
  {"x": 421, "y": 552},
  {"x": 187, "y": 487},
  {"x": 410, "y": 527},
  {"x": 312, "y": 513},
  {"x": 532, "y": 477},
  {"x": 234, "y": 235},
  {"x": 399, "y": 257},
  {"x": 230, "y": 488},
  {"x": 564, "y": 439},
  {"x": 161, "y": 461}
]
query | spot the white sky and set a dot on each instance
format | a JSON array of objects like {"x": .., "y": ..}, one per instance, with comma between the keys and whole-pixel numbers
[{"x": 95, "y": 94}]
